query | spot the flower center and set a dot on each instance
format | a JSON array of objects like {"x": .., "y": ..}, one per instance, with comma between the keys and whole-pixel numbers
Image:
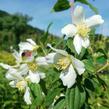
[
  {"x": 32, "y": 66},
  {"x": 63, "y": 63},
  {"x": 83, "y": 30},
  {"x": 21, "y": 85}
]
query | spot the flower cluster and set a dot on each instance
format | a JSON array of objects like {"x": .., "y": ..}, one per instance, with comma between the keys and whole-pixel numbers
[
  {"x": 26, "y": 69},
  {"x": 27, "y": 65}
]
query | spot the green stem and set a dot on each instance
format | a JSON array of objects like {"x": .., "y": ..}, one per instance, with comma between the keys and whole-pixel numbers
[{"x": 102, "y": 68}]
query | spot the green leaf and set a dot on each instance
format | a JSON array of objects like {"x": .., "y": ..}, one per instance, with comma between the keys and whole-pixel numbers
[
  {"x": 74, "y": 98},
  {"x": 89, "y": 65},
  {"x": 101, "y": 60},
  {"x": 70, "y": 45},
  {"x": 37, "y": 94},
  {"x": 60, "y": 104},
  {"x": 51, "y": 95},
  {"x": 89, "y": 4},
  {"x": 61, "y": 5},
  {"x": 89, "y": 84}
]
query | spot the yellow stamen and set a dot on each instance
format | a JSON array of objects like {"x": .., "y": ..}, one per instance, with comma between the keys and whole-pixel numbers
[
  {"x": 83, "y": 30},
  {"x": 63, "y": 63},
  {"x": 21, "y": 85},
  {"x": 32, "y": 66}
]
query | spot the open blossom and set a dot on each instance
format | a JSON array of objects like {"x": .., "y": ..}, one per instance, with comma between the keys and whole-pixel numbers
[
  {"x": 27, "y": 51},
  {"x": 18, "y": 79},
  {"x": 80, "y": 28},
  {"x": 25, "y": 70},
  {"x": 19, "y": 76},
  {"x": 67, "y": 64}
]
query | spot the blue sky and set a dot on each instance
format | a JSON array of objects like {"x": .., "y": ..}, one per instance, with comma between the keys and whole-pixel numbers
[{"x": 40, "y": 11}]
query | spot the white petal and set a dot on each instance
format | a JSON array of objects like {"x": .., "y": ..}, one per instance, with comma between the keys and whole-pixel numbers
[
  {"x": 77, "y": 43},
  {"x": 17, "y": 56},
  {"x": 31, "y": 41},
  {"x": 34, "y": 77},
  {"x": 25, "y": 46},
  {"x": 85, "y": 42},
  {"x": 27, "y": 97},
  {"x": 79, "y": 65},
  {"x": 68, "y": 77},
  {"x": 50, "y": 58},
  {"x": 69, "y": 30},
  {"x": 13, "y": 74},
  {"x": 23, "y": 70},
  {"x": 78, "y": 15},
  {"x": 41, "y": 61},
  {"x": 94, "y": 21},
  {"x": 12, "y": 84},
  {"x": 62, "y": 52},
  {"x": 5, "y": 66},
  {"x": 42, "y": 75}
]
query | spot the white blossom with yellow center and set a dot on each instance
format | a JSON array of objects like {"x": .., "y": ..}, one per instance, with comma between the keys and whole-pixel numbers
[
  {"x": 81, "y": 28},
  {"x": 63, "y": 63},
  {"x": 67, "y": 64}
]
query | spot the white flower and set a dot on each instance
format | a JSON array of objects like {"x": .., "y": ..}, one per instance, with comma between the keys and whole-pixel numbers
[
  {"x": 28, "y": 49},
  {"x": 30, "y": 45},
  {"x": 18, "y": 79},
  {"x": 34, "y": 74},
  {"x": 80, "y": 28},
  {"x": 68, "y": 66}
]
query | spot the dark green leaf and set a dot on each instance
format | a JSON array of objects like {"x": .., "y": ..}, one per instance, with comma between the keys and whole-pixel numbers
[
  {"x": 89, "y": 84},
  {"x": 61, "y": 5},
  {"x": 89, "y": 65},
  {"x": 74, "y": 98}
]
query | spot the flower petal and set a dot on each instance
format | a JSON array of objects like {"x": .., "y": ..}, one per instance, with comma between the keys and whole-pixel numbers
[
  {"x": 69, "y": 30},
  {"x": 77, "y": 43},
  {"x": 23, "y": 70},
  {"x": 5, "y": 66},
  {"x": 42, "y": 75},
  {"x": 85, "y": 42},
  {"x": 34, "y": 77},
  {"x": 94, "y": 21},
  {"x": 79, "y": 65},
  {"x": 50, "y": 58},
  {"x": 68, "y": 77},
  {"x": 31, "y": 42},
  {"x": 25, "y": 46},
  {"x": 41, "y": 61},
  {"x": 27, "y": 97},
  {"x": 78, "y": 15},
  {"x": 17, "y": 56},
  {"x": 12, "y": 84},
  {"x": 13, "y": 74},
  {"x": 62, "y": 52}
]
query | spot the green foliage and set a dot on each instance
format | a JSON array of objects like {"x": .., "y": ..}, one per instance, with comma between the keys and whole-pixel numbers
[
  {"x": 6, "y": 57},
  {"x": 75, "y": 98}
]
